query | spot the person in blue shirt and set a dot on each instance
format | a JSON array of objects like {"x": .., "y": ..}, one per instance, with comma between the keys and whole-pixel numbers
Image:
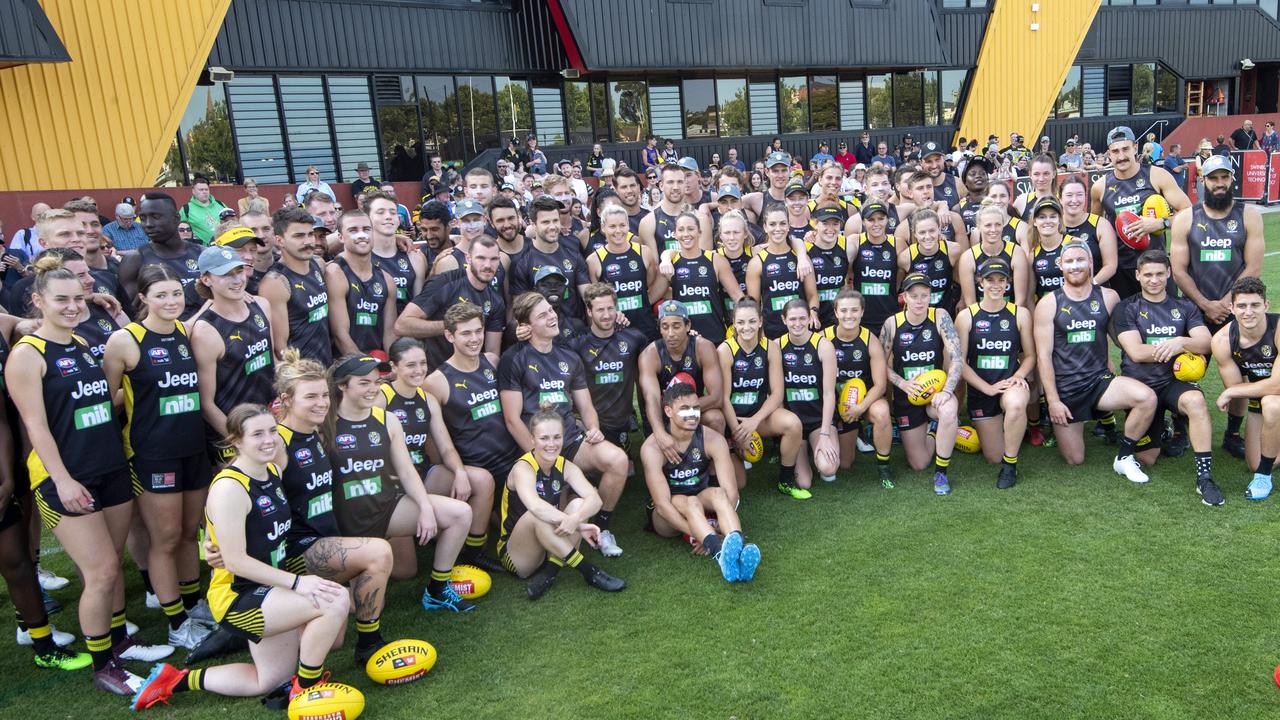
[
  {"x": 1176, "y": 166},
  {"x": 823, "y": 156},
  {"x": 883, "y": 157},
  {"x": 125, "y": 232}
]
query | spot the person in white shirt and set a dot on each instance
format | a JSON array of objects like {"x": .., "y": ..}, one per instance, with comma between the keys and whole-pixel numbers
[
  {"x": 314, "y": 184},
  {"x": 28, "y": 239}
]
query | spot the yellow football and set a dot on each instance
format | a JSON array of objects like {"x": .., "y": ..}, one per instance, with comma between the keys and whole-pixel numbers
[
  {"x": 1189, "y": 367},
  {"x": 928, "y": 384},
  {"x": 754, "y": 451},
  {"x": 327, "y": 701},
  {"x": 851, "y": 394},
  {"x": 401, "y": 661},
  {"x": 470, "y": 581},
  {"x": 967, "y": 439},
  {"x": 1156, "y": 206}
]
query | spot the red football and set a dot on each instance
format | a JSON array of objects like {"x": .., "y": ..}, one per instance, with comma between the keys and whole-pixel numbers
[{"x": 1137, "y": 242}]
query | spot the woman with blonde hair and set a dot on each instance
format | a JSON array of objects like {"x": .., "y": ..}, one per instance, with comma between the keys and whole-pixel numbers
[
  {"x": 313, "y": 184},
  {"x": 252, "y": 201}
]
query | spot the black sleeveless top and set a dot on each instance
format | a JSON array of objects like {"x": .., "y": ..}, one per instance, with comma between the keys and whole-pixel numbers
[
  {"x": 367, "y": 301},
  {"x": 162, "y": 397},
  {"x": 186, "y": 268},
  {"x": 308, "y": 312},
  {"x": 749, "y": 377},
  {"x": 692, "y": 474},
  {"x": 308, "y": 485},
  {"x": 473, "y": 415},
  {"x": 246, "y": 369}
]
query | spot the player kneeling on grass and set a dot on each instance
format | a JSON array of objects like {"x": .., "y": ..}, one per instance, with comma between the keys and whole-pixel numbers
[
  {"x": 918, "y": 339},
  {"x": 1153, "y": 329},
  {"x": 1247, "y": 351},
  {"x": 860, "y": 357},
  {"x": 541, "y": 527},
  {"x": 999, "y": 357},
  {"x": 286, "y": 618},
  {"x": 681, "y": 492}
]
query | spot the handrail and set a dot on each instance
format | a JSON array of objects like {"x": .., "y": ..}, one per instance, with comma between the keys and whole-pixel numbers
[{"x": 1160, "y": 136}]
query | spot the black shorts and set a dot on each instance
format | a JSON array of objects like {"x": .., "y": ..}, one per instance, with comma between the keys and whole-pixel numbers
[
  {"x": 907, "y": 416},
  {"x": 571, "y": 447},
  {"x": 12, "y": 515},
  {"x": 109, "y": 490},
  {"x": 843, "y": 427},
  {"x": 170, "y": 475},
  {"x": 809, "y": 427},
  {"x": 1125, "y": 283},
  {"x": 1167, "y": 398},
  {"x": 370, "y": 518},
  {"x": 219, "y": 457},
  {"x": 1083, "y": 405},
  {"x": 244, "y": 616},
  {"x": 295, "y": 551},
  {"x": 620, "y": 436},
  {"x": 983, "y": 406},
  {"x": 1255, "y": 406}
]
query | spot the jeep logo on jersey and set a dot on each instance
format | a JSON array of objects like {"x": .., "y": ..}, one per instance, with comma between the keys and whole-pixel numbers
[
  {"x": 158, "y": 355},
  {"x": 303, "y": 456},
  {"x": 346, "y": 440}
]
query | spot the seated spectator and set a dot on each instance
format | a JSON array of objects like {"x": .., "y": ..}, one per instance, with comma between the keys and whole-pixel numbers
[
  {"x": 313, "y": 184},
  {"x": 246, "y": 203},
  {"x": 125, "y": 232},
  {"x": 1071, "y": 159}
]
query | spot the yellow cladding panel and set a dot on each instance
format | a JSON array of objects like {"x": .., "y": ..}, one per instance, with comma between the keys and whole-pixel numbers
[
  {"x": 1021, "y": 70},
  {"x": 107, "y": 118}
]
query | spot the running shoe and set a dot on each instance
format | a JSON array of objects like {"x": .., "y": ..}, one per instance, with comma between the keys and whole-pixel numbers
[
  {"x": 1209, "y": 493},
  {"x": 477, "y": 557},
  {"x": 1036, "y": 435},
  {"x": 1233, "y": 443},
  {"x": 1259, "y": 487},
  {"x": 730, "y": 556},
  {"x": 158, "y": 687},
  {"x": 1008, "y": 477},
  {"x": 1175, "y": 446},
  {"x": 1128, "y": 468},
  {"x": 540, "y": 583},
  {"x": 59, "y": 659},
  {"x": 941, "y": 486},
  {"x": 748, "y": 562},
  {"x": 49, "y": 580},
  {"x": 1050, "y": 440},
  {"x": 130, "y": 649},
  {"x": 362, "y": 654},
  {"x": 61, "y": 639},
  {"x": 116, "y": 680},
  {"x": 864, "y": 440},
  {"x": 189, "y": 634},
  {"x": 797, "y": 493},
  {"x": 448, "y": 599},
  {"x": 609, "y": 545},
  {"x": 153, "y": 601},
  {"x": 278, "y": 699},
  {"x": 602, "y": 580},
  {"x": 886, "y": 477},
  {"x": 51, "y": 606},
  {"x": 295, "y": 689},
  {"x": 201, "y": 613}
]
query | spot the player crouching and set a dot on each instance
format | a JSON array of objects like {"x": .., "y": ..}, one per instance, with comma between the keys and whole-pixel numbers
[{"x": 682, "y": 493}]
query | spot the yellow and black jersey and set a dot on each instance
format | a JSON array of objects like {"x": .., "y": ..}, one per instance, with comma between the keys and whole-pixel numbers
[
  {"x": 265, "y": 526},
  {"x": 162, "y": 397},
  {"x": 549, "y": 486}
]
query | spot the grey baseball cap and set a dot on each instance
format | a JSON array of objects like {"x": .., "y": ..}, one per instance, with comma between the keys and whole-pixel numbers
[
  {"x": 467, "y": 206},
  {"x": 218, "y": 260},
  {"x": 688, "y": 163},
  {"x": 777, "y": 158},
  {"x": 1216, "y": 163},
  {"x": 729, "y": 191},
  {"x": 1119, "y": 133}
]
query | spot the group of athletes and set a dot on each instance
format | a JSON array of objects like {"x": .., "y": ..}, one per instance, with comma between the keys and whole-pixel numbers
[{"x": 320, "y": 393}]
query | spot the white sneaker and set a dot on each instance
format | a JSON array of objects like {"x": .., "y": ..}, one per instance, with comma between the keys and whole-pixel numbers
[
  {"x": 61, "y": 639},
  {"x": 130, "y": 627},
  {"x": 189, "y": 634},
  {"x": 153, "y": 602},
  {"x": 609, "y": 544},
  {"x": 50, "y": 581},
  {"x": 865, "y": 447},
  {"x": 1128, "y": 468},
  {"x": 202, "y": 614},
  {"x": 132, "y": 650}
]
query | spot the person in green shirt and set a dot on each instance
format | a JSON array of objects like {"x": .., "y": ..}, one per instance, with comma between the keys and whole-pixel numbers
[{"x": 202, "y": 211}]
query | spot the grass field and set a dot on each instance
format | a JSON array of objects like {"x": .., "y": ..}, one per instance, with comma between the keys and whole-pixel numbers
[{"x": 1074, "y": 595}]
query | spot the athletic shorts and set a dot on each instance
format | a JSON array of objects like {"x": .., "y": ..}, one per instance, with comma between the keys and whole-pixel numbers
[
  {"x": 620, "y": 436},
  {"x": 983, "y": 406},
  {"x": 1083, "y": 405},
  {"x": 219, "y": 457},
  {"x": 1166, "y": 400},
  {"x": 907, "y": 416},
  {"x": 170, "y": 475},
  {"x": 11, "y": 516},
  {"x": 371, "y": 519},
  {"x": 295, "y": 550},
  {"x": 571, "y": 448},
  {"x": 109, "y": 490},
  {"x": 244, "y": 616},
  {"x": 1255, "y": 406}
]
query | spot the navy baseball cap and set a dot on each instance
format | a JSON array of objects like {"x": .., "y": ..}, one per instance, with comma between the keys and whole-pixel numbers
[{"x": 929, "y": 148}]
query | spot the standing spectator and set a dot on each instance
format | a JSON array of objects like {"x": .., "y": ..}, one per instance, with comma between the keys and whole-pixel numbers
[
  {"x": 512, "y": 153},
  {"x": 251, "y": 202},
  {"x": 823, "y": 156},
  {"x": 1071, "y": 159},
  {"x": 1046, "y": 146},
  {"x": 1203, "y": 153},
  {"x": 1153, "y": 149},
  {"x": 1244, "y": 138},
  {"x": 1222, "y": 148},
  {"x": 669, "y": 154},
  {"x": 1176, "y": 166},
  {"x": 27, "y": 240},
  {"x": 203, "y": 210},
  {"x": 863, "y": 151},
  {"x": 535, "y": 161},
  {"x": 363, "y": 180},
  {"x": 1270, "y": 140},
  {"x": 124, "y": 232},
  {"x": 433, "y": 178},
  {"x": 595, "y": 161},
  {"x": 883, "y": 157},
  {"x": 649, "y": 156},
  {"x": 733, "y": 161},
  {"x": 313, "y": 184},
  {"x": 844, "y": 157}
]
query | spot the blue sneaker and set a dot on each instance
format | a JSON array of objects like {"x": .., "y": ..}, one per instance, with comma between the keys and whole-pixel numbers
[
  {"x": 730, "y": 555},
  {"x": 448, "y": 599},
  {"x": 940, "y": 484},
  {"x": 748, "y": 563},
  {"x": 51, "y": 606},
  {"x": 1259, "y": 487}
]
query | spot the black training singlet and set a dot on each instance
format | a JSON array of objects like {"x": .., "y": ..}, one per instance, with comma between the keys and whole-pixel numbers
[
  {"x": 692, "y": 474},
  {"x": 1121, "y": 195},
  {"x": 946, "y": 192},
  {"x": 308, "y": 485},
  {"x": 669, "y": 366},
  {"x": 779, "y": 284},
  {"x": 1215, "y": 250},
  {"x": 265, "y": 527},
  {"x": 980, "y": 256},
  {"x": 245, "y": 370},
  {"x": 364, "y": 481},
  {"x": 936, "y": 267},
  {"x": 1087, "y": 231},
  {"x": 473, "y": 415},
  {"x": 1154, "y": 322},
  {"x": 415, "y": 419},
  {"x": 367, "y": 300},
  {"x": 875, "y": 275},
  {"x": 526, "y": 263},
  {"x": 185, "y": 265},
  {"x": 695, "y": 284},
  {"x": 549, "y": 377},
  {"x": 802, "y": 378},
  {"x": 162, "y": 397},
  {"x": 96, "y": 329},
  {"x": 994, "y": 342},
  {"x": 749, "y": 377},
  {"x": 549, "y": 487},
  {"x": 626, "y": 273},
  {"x": 611, "y": 364},
  {"x": 308, "y": 309},
  {"x": 1045, "y": 270},
  {"x": 917, "y": 347},
  {"x": 1255, "y": 362},
  {"x": 830, "y": 270},
  {"x": 664, "y": 231},
  {"x": 400, "y": 268},
  {"x": 853, "y": 357},
  {"x": 1079, "y": 341}
]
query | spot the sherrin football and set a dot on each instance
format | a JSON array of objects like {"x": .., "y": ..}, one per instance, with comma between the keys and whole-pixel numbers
[
  {"x": 928, "y": 384},
  {"x": 327, "y": 701},
  {"x": 401, "y": 661},
  {"x": 851, "y": 394},
  {"x": 1156, "y": 207},
  {"x": 1136, "y": 242},
  {"x": 1189, "y": 367},
  {"x": 470, "y": 581},
  {"x": 967, "y": 439},
  {"x": 754, "y": 451}
]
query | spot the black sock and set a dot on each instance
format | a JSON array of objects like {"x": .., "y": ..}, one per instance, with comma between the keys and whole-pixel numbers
[
  {"x": 712, "y": 543},
  {"x": 940, "y": 464},
  {"x": 1010, "y": 460},
  {"x": 193, "y": 681},
  {"x": 1044, "y": 411},
  {"x": 309, "y": 675},
  {"x": 786, "y": 474},
  {"x": 42, "y": 638},
  {"x": 369, "y": 633},
  {"x": 100, "y": 648},
  {"x": 1233, "y": 424},
  {"x": 602, "y": 519},
  {"x": 146, "y": 581},
  {"x": 174, "y": 612},
  {"x": 439, "y": 578},
  {"x": 1265, "y": 464},
  {"x": 1126, "y": 448},
  {"x": 882, "y": 460},
  {"x": 118, "y": 633},
  {"x": 1108, "y": 421},
  {"x": 190, "y": 592},
  {"x": 1204, "y": 464},
  {"x": 573, "y": 560},
  {"x": 1179, "y": 424}
]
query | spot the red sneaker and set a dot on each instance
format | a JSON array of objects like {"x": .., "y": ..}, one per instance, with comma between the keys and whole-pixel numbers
[
  {"x": 1036, "y": 434},
  {"x": 158, "y": 687},
  {"x": 295, "y": 690}
]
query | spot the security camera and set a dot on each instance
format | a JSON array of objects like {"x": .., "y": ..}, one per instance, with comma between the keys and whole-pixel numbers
[
  {"x": 1246, "y": 64},
  {"x": 221, "y": 74}
]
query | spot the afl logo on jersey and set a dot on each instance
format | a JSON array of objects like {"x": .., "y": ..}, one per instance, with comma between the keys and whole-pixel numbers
[
  {"x": 303, "y": 456},
  {"x": 401, "y": 415},
  {"x": 264, "y": 503},
  {"x": 375, "y": 438},
  {"x": 907, "y": 338},
  {"x": 612, "y": 268},
  {"x": 67, "y": 366},
  {"x": 682, "y": 271},
  {"x": 982, "y": 325},
  {"x": 868, "y": 253},
  {"x": 740, "y": 365},
  {"x": 772, "y": 268},
  {"x": 159, "y": 356},
  {"x": 790, "y": 357},
  {"x": 346, "y": 441}
]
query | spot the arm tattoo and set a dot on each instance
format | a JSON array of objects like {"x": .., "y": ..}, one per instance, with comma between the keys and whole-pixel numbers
[
  {"x": 955, "y": 360},
  {"x": 886, "y": 340}
]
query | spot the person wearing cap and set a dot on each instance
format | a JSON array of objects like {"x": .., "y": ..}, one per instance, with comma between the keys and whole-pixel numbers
[
  {"x": 158, "y": 216},
  {"x": 1044, "y": 183},
  {"x": 933, "y": 161},
  {"x": 976, "y": 177},
  {"x": 773, "y": 275},
  {"x": 369, "y": 452},
  {"x": 1073, "y": 361},
  {"x": 248, "y": 245},
  {"x": 231, "y": 341},
  {"x": 1045, "y": 236},
  {"x": 296, "y": 291},
  {"x": 408, "y": 270},
  {"x": 875, "y": 271},
  {"x": 1152, "y": 330},
  {"x": 846, "y": 159},
  {"x": 363, "y": 180},
  {"x": 1071, "y": 159},
  {"x": 124, "y": 232},
  {"x": 551, "y": 284},
  {"x": 694, "y": 194},
  {"x": 630, "y": 268},
  {"x": 1122, "y": 193},
  {"x": 920, "y": 338},
  {"x": 657, "y": 230},
  {"x": 831, "y": 256},
  {"x": 362, "y": 312},
  {"x": 797, "y": 204},
  {"x": 701, "y": 280},
  {"x": 992, "y": 245},
  {"x": 1000, "y": 358},
  {"x": 823, "y": 156},
  {"x": 547, "y": 246},
  {"x": 778, "y": 170},
  {"x": 1093, "y": 229},
  {"x": 679, "y": 356}
]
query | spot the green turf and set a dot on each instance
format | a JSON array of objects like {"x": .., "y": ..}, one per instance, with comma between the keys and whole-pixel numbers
[{"x": 1074, "y": 595}]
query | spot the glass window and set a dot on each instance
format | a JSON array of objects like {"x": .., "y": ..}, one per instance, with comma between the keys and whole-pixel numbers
[
  {"x": 515, "y": 115},
  {"x": 205, "y": 130},
  {"x": 356, "y": 137},
  {"x": 1166, "y": 90},
  {"x": 824, "y": 103},
  {"x": 699, "y": 108},
  {"x": 479, "y": 124},
  {"x": 1119, "y": 87},
  {"x": 793, "y": 93},
  {"x": 733, "y": 116},
  {"x": 1068, "y": 103},
  {"x": 600, "y": 111},
  {"x": 577, "y": 102},
  {"x": 629, "y": 111},
  {"x": 1093, "y": 85},
  {"x": 879, "y": 101},
  {"x": 547, "y": 115},
  {"x": 764, "y": 106},
  {"x": 438, "y": 106},
  {"x": 951, "y": 85},
  {"x": 306, "y": 118},
  {"x": 1144, "y": 88},
  {"x": 908, "y": 104},
  {"x": 930, "y": 97},
  {"x": 664, "y": 109},
  {"x": 852, "y": 105}
]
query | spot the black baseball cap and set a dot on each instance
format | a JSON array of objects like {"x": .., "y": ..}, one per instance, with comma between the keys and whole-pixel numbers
[
  {"x": 874, "y": 206},
  {"x": 929, "y": 148},
  {"x": 829, "y": 212},
  {"x": 993, "y": 266},
  {"x": 913, "y": 279}
]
